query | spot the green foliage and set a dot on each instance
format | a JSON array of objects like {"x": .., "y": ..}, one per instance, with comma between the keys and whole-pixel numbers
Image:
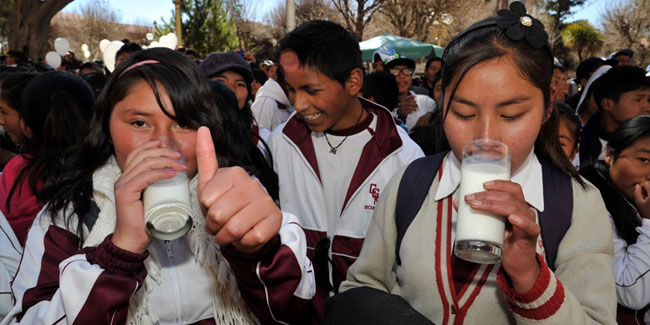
[
  {"x": 582, "y": 37},
  {"x": 206, "y": 27},
  {"x": 561, "y": 9}
]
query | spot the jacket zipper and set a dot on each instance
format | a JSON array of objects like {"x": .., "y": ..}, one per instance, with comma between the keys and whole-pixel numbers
[{"x": 174, "y": 280}]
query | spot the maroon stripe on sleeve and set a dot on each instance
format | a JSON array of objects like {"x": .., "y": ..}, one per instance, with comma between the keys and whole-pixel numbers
[
  {"x": 109, "y": 298},
  {"x": 348, "y": 246},
  {"x": 278, "y": 280},
  {"x": 58, "y": 244}
]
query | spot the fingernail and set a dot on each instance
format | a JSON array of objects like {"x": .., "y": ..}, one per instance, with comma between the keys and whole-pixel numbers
[
  {"x": 476, "y": 202},
  {"x": 469, "y": 196},
  {"x": 183, "y": 163},
  {"x": 489, "y": 183},
  {"x": 515, "y": 219},
  {"x": 171, "y": 171}
]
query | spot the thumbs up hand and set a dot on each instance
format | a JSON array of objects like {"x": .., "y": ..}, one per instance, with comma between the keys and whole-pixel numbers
[{"x": 237, "y": 209}]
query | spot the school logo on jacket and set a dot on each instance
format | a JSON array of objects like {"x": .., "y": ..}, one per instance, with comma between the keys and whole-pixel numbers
[{"x": 374, "y": 192}]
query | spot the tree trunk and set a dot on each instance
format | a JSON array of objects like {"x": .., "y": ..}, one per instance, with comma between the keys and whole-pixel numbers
[
  {"x": 31, "y": 21},
  {"x": 179, "y": 31}
]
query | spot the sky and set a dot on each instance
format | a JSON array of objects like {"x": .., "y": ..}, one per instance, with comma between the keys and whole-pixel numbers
[{"x": 146, "y": 11}]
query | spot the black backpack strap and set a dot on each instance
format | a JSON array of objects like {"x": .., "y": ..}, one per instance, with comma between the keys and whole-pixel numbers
[
  {"x": 413, "y": 189},
  {"x": 555, "y": 220}
]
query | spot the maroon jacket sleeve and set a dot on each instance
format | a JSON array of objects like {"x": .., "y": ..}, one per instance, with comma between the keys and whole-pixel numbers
[{"x": 268, "y": 282}]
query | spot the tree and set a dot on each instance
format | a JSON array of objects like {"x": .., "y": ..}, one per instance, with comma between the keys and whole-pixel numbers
[
  {"x": 206, "y": 26},
  {"x": 414, "y": 18},
  {"x": 6, "y": 11},
  {"x": 31, "y": 25},
  {"x": 357, "y": 13},
  {"x": 558, "y": 11},
  {"x": 306, "y": 10},
  {"x": 99, "y": 22},
  {"x": 628, "y": 26},
  {"x": 584, "y": 38}
]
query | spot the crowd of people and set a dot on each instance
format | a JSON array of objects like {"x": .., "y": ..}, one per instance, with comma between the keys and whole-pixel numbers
[{"x": 300, "y": 169}]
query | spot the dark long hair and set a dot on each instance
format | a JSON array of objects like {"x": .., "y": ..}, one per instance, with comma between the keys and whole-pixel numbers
[
  {"x": 193, "y": 105},
  {"x": 57, "y": 107},
  {"x": 241, "y": 145},
  {"x": 485, "y": 41},
  {"x": 622, "y": 210}
]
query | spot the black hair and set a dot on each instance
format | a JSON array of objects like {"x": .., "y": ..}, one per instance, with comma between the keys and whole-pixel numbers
[
  {"x": 12, "y": 86},
  {"x": 324, "y": 46},
  {"x": 92, "y": 66},
  {"x": 96, "y": 80},
  {"x": 191, "y": 99},
  {"x": 18, "y": 56},
  {"x": 485, "y": 41},
  {"x": 129, "y": 48},
  {"x": 587, "y": 67},
  {"x": 191, "y": 52},
  {"x": 57, "y": 108},
  {"x": 240, "y": 137},
  {"x": 619, "y": 80},
  {"x": 431, "y": 60},
  {"x": 382, "y": 87},
  {"x": 431, "y": 137},
  {"x": 573, "y": 121},
  {"x": 622, "y": 210},
  {"x": 259, "y": 75}
]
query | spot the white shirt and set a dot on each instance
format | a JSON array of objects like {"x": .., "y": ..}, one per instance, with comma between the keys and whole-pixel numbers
[
  {"x": 529, "y": 176},
  {"x": 336, "y": 170}
]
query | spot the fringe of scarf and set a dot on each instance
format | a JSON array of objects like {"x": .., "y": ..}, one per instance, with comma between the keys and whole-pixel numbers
[{"x": 228, "y": 305}]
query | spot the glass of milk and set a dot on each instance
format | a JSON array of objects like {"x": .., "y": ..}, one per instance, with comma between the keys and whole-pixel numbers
[
  {"x": 167, "y": 203},
  {"x": 479, "y": 235}
]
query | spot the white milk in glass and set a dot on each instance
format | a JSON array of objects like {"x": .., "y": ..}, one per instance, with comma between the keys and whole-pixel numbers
[
  {"x": 167, "y": 207},
  {"x": 474, "y": 224}
]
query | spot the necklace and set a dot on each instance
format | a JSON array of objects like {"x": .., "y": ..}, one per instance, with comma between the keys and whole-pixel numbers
[{"x": 332, "y": 148}]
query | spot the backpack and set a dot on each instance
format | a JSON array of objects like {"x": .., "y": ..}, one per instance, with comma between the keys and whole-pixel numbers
[{"x": 554, "y": 221}]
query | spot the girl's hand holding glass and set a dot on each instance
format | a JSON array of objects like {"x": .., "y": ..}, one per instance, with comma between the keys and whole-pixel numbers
[
  {"x": 146, "y": 164},
  {"x": 519, "y": 248},
  {"x": 238, "y": 210}
]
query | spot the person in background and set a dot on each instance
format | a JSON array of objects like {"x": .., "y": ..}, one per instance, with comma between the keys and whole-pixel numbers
[
  {"x": 381, "y": 88},
  {"x": 259, "y": 78},
  {"x": 55, "y": 113},
  {"x": 411, "y": 106},
  {"x": 127, "y": 49},
  {"x": 622, "y": 179},
  {"x": 624, "y": 57},
  {"x": 623, "y": 92},
  {"x": 587, "y": 106},
  {"x": 585, "y": 69},
  {"x": 430, "y": 70},
  {"x": 559, "y": 81},
  {"x": 271, "y": 106},
  {"x": 192, "y": 55},
  {"x": 15, "y": 58},
  {"x": 569, "y": 131}
]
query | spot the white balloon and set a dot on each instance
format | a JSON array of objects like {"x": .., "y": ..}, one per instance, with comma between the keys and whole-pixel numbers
[
  {"x": 102, "y": 44},
  {"x": 154, "y": 44},
  {"x": 61, "y": 45},
  {"x": 109, "y": 54},
  {"x": 53, "y": 59},
  {"x": 149, "y": 36},
  {"x": 84, "y": 47},
  {"x": 172, "y": 41},
  {"x": 86, "y": 54}
]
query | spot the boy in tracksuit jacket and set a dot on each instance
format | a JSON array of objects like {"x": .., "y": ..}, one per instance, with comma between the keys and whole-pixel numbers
[{"x": 336, "y": 154}]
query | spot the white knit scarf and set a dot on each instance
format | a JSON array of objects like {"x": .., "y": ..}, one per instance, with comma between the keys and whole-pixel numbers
[{"x": 227, "y": 305}]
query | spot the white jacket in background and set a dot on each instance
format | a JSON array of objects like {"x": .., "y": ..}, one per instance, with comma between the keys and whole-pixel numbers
[{"x": 271, "y": 106}]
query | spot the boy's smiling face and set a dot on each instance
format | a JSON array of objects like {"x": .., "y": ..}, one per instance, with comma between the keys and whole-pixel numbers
[{"x": 323, "y": 103}]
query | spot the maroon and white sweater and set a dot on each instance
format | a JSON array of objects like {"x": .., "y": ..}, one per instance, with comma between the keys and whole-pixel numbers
[{"x": 58, "y": 281}]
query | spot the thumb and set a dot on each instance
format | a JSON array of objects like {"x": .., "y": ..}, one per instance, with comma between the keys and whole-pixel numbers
[{"x": 206, "y": 158}]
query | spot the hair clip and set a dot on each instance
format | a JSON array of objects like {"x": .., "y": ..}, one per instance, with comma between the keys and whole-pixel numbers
[{"x": 519, "y": 25}]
